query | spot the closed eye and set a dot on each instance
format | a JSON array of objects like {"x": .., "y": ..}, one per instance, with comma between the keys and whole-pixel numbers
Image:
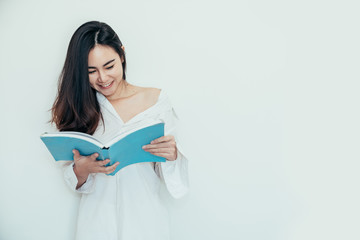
[{"x": 106, "y": 68}]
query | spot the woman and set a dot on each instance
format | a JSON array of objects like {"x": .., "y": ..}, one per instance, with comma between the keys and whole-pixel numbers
[{"x": 94, "y": 97}]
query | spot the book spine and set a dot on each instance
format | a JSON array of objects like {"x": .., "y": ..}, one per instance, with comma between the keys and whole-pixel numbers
[{"x": 104, "y": 154}]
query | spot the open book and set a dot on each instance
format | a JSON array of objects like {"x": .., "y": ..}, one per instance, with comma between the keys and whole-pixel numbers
[{"x": 125, "y": 148}]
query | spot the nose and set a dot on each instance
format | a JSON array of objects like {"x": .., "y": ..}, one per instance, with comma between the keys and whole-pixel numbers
[{"x": 102, "y": 77}]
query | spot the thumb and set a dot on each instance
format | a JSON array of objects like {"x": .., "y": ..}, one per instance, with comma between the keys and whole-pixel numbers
[{"x": 76, "y": 154}]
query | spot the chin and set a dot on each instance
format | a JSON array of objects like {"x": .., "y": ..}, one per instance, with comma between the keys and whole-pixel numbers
[
  {"x": 106, "y": 93},
  {"x": 110, "y": 90}
]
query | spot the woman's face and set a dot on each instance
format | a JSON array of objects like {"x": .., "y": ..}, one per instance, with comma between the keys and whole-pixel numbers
[{"x": 105, "y": 70}]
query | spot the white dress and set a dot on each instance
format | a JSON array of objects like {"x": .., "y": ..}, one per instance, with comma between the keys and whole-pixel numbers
[{"x": 128, "y": 206}]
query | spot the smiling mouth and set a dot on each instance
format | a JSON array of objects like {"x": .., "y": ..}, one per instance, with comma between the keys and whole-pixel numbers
[{"x": 106, "y": 86}]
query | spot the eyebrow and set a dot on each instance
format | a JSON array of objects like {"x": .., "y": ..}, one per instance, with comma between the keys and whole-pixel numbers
[{"x": 104, "y": 64}]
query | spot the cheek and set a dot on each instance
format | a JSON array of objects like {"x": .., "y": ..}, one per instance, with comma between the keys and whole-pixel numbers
[
  {"x": 92, "y": 80},
  {"x": 117, "y": 72}
]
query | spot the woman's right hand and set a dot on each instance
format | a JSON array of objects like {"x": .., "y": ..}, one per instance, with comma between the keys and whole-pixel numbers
[{"x": 84, "y": 165}]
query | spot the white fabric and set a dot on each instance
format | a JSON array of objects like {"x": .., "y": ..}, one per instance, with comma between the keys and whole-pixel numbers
[{"x": 128, "y": 206}]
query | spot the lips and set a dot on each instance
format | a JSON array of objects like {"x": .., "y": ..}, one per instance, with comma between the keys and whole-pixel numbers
[{"x": 106, "y": 86}]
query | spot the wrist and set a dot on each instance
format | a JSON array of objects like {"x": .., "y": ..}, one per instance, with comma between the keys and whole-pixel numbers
[{"x": 80, "y": 173}]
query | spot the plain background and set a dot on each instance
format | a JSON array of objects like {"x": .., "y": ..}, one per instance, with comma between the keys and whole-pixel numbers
[{"x": 268, "y": 97}]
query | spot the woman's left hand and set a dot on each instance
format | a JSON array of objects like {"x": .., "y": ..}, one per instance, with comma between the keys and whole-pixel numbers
[{"x": 163, "y": 147}]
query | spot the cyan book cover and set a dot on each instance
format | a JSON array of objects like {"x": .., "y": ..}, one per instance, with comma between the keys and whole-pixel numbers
[{"x": 124, "y": 149}]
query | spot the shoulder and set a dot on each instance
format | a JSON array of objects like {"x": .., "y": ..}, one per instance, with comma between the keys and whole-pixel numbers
[
  {"x": 153, "y": 93},
  {"x": 149, "y": 94}
]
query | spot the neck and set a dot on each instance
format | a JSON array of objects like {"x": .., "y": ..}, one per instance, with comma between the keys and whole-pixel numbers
[{"x": 124, "y": 90}]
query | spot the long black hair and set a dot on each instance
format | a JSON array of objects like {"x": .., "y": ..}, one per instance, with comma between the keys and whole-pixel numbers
[{"x": 76, "y": 107}]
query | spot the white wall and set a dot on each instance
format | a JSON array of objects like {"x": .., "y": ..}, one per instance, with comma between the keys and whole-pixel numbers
[{"x": 267, "y": 93}]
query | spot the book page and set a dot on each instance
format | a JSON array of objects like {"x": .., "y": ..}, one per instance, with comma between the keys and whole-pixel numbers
[
  {"x": 124, "y": 134},
  {"x": 79, "y": 135}
]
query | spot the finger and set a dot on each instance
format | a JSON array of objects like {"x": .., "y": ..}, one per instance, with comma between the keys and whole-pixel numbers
[
  {"x": 76, "y": 154},
  {"x": 165, "y": 155},
  {"x": 109, "y": 169},
  {"x": 94, "y": 156},
  {"x": 102, "y": 163},
  {"x": 162, "y": 139},
  {"x": 157, "y": 145},
  {"x": 159, "y": 150}
]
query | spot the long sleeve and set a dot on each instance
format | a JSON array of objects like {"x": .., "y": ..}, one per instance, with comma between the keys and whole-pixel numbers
[
  {"x": 174, "y": 173},
  {"x": 71, "y": 179}
]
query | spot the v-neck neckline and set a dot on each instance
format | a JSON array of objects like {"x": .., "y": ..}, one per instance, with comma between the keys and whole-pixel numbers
[{"x": 113, "y": 110}]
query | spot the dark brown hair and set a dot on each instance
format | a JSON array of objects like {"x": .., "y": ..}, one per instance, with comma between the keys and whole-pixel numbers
[{"x": 76, "y": 107}]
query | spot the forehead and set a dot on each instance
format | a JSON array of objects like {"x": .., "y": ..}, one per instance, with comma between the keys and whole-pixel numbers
[{"x": 101, "y": 54}]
